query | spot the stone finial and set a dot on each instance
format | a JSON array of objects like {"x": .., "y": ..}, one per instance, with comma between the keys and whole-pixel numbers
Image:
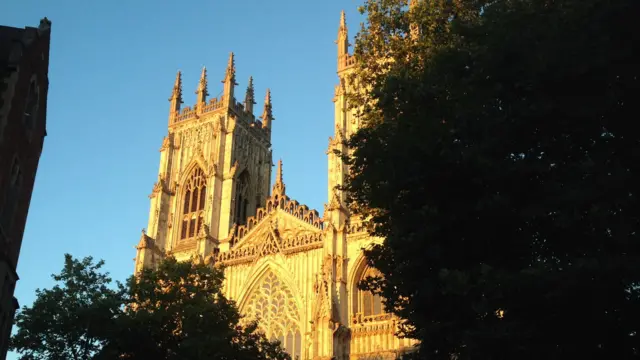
[
  {"x": 343, "y": 21},
  {"x": 267, "y": 112},
  {"x": 249, "y": 98},
  {"x": 202, "y": 87},
  {"x": 279, "y": 187}
]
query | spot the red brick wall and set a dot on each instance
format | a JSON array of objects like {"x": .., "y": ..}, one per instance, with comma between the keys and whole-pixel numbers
[{"x": 16, "y": 143}]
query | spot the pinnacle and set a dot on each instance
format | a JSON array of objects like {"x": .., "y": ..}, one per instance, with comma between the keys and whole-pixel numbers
[
  {"x": 204, "y": 73},
  {"x": 202, "y": 85},
  {"x": 267, "y": 97},
  {"x": 249, "y": 98},
  {"x": 267, "y": 112},
  {"x": 250, "y": 92},
  {"x": 278, "y": 187},
  {"x": 342, "y": 30},
  {"x": 231, "y": 63},
  {"x": 177, "y": 88},
  {"x": 279, "y": 173},
  {"x": 230, "y": 73},
  {"x": 178, "y": 82}
]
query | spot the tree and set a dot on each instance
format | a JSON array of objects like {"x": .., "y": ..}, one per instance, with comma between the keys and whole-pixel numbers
[
  {"x": 498, "y": 159},
  {"x": 67, "y": 321},
  {"x": 178, "y": 311}
]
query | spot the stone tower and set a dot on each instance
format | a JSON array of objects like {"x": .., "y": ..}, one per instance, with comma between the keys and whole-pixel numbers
[
  {"x": 215, "y": 171},
  {"x": 284, "y": 265}
]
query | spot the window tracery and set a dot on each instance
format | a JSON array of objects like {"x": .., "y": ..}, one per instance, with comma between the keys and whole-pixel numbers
[
  {"x": 273, "y": 305},
  {"x": 195, "y": 194},
  {"x": 369, "y": 304}
]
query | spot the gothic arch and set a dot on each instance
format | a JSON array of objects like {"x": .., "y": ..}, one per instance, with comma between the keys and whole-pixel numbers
[
  {"x": 261, "y": 267},
  {"x": 272, "y": 299},
  {"x": 191, "y": 206},
  {"x": 361, "y": 302},
  {"x": 197, "y": 162}
]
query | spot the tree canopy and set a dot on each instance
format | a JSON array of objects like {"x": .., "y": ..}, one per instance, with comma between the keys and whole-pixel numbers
[
  {"x": 68, "y": 320},
  {"x": 498, "y": 158},
  {"x": 176, "y": 311}
]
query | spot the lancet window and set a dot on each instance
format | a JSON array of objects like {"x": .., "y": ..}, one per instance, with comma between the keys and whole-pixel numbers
[
  {"x": 367, "y": 303},
  {"x": 195, "y": 194},
  {"x": 273, "y": 305},
  {"x": 242, "y": 198}
]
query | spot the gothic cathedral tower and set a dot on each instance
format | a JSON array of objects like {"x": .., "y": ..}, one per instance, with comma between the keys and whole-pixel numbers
[
  {"x": 215, "y": 171},
  {"x": 212, "y": 203}
]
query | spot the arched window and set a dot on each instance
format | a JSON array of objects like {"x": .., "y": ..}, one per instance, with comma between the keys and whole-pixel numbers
[
  {"x": 11, "y": 196},
  {"x": 31, "y": 106},
  {"x": 272, "y": 303},
  {"x": 369, "y": 304},
  {"x": 195, "y": 194},
  {"x": 242, "y": 198}
]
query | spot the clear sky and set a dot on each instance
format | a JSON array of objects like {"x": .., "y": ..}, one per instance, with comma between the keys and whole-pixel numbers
[{"x": 112, "y": 68}]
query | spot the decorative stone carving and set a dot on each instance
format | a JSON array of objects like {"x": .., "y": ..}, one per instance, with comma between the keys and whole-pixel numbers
[
  {"x": 197, "y": 136},
  {"x": 251, "y": 252},
  {"x": 273, "y": 303}
]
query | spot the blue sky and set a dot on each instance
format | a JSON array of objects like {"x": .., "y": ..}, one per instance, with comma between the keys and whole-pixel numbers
[{"x": 113, "y": 64}]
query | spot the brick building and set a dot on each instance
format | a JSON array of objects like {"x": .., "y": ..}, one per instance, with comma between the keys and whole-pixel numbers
[{"x": 24, "y": 83}]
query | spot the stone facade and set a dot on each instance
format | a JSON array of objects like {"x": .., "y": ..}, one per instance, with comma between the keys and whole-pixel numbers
[
  {"x": 24, "y": 83},
  {"x": 285, "y": 264}
]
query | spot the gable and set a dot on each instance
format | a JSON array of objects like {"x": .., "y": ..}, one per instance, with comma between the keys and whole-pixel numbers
[{"x": 277, "y": 232}]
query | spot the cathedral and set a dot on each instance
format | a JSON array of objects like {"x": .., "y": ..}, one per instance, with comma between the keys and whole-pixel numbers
[{"x": 294, "y": 270}]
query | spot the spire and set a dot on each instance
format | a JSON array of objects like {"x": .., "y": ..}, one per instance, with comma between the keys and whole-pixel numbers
[
  {"x": 343, "y": 41},
  {"x": 230, "y": 81},
  {"x": 176, "y": 98},
  {"x": 278, "y": 187},
  {"x": 267, "y": 112},
  {"x": 249, "y": 98},
  {"x": 202, "y": 88}
]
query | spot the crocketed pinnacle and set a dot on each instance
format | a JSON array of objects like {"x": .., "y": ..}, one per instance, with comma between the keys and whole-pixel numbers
[
  {"x": 343, "y": 24},
  {"x": 202, "y": 86},
  {"x": 267, "y": 112},
  {"x": 230, "y": 73},
  {"x": 279, "y": 187},
  {"x": 176, "y": 94},
  {"x": 249, "y": 98}
]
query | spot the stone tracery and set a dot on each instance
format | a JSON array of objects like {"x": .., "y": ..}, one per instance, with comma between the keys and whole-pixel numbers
[{"x": 273, "y": 304}]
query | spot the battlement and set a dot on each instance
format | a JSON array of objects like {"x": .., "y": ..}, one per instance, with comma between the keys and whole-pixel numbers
[
  {"x": 215, "y": 104},
  {"x": 179, "y": 115}
]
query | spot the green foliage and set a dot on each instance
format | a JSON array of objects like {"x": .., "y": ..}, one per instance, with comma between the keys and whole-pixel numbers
[
  {"x": 178, "y": 311},
  {"x": 498, "y": 158},
  {"x": 68, "y": 320}
]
